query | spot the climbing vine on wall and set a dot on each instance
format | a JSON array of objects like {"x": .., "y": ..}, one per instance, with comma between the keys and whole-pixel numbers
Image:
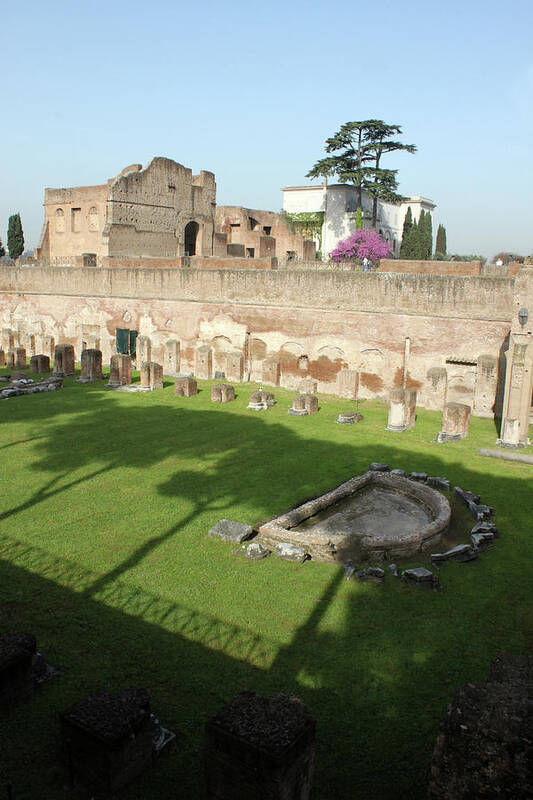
[{"x": 307, "y": 223}]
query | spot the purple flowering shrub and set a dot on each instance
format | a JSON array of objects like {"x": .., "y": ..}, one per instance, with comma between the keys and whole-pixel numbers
[{"x": 361, "y": 244}]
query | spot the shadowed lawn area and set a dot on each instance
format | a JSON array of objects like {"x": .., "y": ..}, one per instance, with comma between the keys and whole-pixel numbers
[{"x": 106, "y": 502}]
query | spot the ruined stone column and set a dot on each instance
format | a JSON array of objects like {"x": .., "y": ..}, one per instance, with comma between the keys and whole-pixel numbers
[
  {"x": 11, "y": 357},
  {"x": 234, "y": 367},
  {"x": 455, "y": 422},
  {"x": 91, "y": 366},
  {"x": 2, "y": 358},
  {"x": 143, "y": 349},
  {"x": 119, "y": 370},
  {"x": 271, "y": 371},
  {"x": 260, "y": 748},
  {"x": 8, "y": 339},
  {"x": 402, "y": 410},
  {"x": 348, "y": 383},
  {"x": 64, "y": 360},
  {"x": 185, "y": 387},
  {"x": 519, "y": 366},
  {"x": 203, "y": 362},
  {"x": 20, "y": 357},
  {"x": 151, "y": 375}
]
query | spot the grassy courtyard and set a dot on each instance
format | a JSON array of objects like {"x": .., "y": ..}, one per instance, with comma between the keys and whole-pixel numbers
[{"x": 107, "y": 498}]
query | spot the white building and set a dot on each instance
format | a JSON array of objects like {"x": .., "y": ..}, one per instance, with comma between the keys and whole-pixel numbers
[{"x": 339, "y": 204}]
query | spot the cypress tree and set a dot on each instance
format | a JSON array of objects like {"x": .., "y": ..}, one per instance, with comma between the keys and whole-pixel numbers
[
  {"x": 407, "y": 227},
  {"x": 440, "y": 244},
  {"x": 2, "y": 249},
  {"x": 412, "y": 245},
  {"x": 428, "y": 236},
  {"x": 15, "y": 237},
  {"x": 358, "y": 219}
]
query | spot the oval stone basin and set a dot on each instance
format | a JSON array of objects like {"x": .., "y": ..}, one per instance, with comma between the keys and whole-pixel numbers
[{"x": 375, "y": 516}]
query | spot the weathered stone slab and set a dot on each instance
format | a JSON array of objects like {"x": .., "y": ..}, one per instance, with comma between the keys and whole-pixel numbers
[
  {"x": 290, "y": 552},
  {"x": 439, "y": 483},
  {"x": 400, "y": 472},
  {"x": 460, "y": 553},
  {"x": 349, "y": 418},
  {"x": 421, "y": 477},
  {"x": 257, "y": 551},
  {"x": 486, "y": 527},
  {"x": 481, "y": 541},
  {"x": 260, "y": 748},
  {"x": 370, "y": 575},
  {"x": 375, "y": 466},
  {"x": 420, "y": 576},
  {"x": 231, "y": 531}
]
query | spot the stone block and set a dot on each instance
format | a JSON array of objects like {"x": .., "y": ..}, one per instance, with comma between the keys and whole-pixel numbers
[
  {"x": 107, "y": 739},
  {"x": 256, "y": 551},
  {"x": 231, "y": 531},
  {"x": 63, "y": 360},
  {"x": 455, "y": 422},
  {"x": 120, "y": 370},
  {"x": 222, "y": 393},
  {"x": 18, "y": 652},
  {"x": 203, "y": 362},
  {"x": 185, "y": 387},
  {"x": 305, "y": 404},
  {"x": 422, "y": 577},
  {"x": 234, "y": 366},
  {"x": 375, "y": 466},
  {"x": 402, "y": 410},
  {"x": 443, "y": 484},
  {"x": 40, "y": 364},
  {"x": 482, "y": 540},
  {"x": 271, "y": 371},
  {"x": 421, "y": 477},
  {"x": 348, "y": 383},
  {"x": 261, "y": 400},
  {"x": 91, "y": 365},
  {"x": 290, "y": 552},
  {"x": 11, "y": 357},
  {"x": 260, "y": 748},
  {"x": 460, "y": 553},
  {"x": 151, "y": 375},
  {"x": 349, "y": 418}
]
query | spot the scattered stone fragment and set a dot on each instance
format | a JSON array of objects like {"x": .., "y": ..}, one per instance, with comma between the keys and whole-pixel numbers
[
  {"x": 465, "y": 496},
  {"x": 420, "y": 576},
  {"x": 349, "y": 418},
  {"x": 290, "y": 552},
  {"x": 185, "y": 387},
  {"x": 370, "y": 575},
  {"x": 231, "y": 531},
  {"x": 480, "y": 541},
  {"x": 220, "y": 376},
  {"x": 418, "y": 476},
  {"x": 375, "y": 466},
  {"x": 257, "y": 551},
  {"x": 439, "y": 483},
  {"x": 486, "y": 527},
  {"x": 393, "y": 569},
  {"x": 400, "y": 472},
  {"x": 460, "y": 553},
  {"x": 348, "y": 569}
]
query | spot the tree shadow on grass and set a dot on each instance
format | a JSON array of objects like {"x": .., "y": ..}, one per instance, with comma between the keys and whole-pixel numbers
[{"x": 376, "y": 665}]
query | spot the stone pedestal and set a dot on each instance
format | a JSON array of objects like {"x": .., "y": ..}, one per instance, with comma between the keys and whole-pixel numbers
[
  {"x": 91, "y": 366},
  {"x": 517, "y": 394},
  {"x": 304, "y": 404},
  {"x": 402, "y": 410},
  {"x": 348, "y": 383},
  {"x": 20, "y": 357},
  {"x": 185, "y": 387},
  {"x": 222, "y": 393},
  {"x": 260, "y": 400},
  {"x": 119, "y": 370},
  {"x": 107, "y": 739},
  {"x": 271, "y": 371},
  {"x": 260, "y": 748},
  {"x": 40, "y": 364},
  {"x": 63, "y": 360},
  {"x": 234, "y": 368},
  {"x": 172, "y": 357},
  {"x": 17, "y": 657},
  {"x": 203, "y": 362},
  {"x": 455, "y": 422},
  {"x": 151, "y": 376}
]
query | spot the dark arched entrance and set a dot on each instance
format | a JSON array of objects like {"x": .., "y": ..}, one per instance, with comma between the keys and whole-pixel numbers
[{"x": 191, "y": 232}]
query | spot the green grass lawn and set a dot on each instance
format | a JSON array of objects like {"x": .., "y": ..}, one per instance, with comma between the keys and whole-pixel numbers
[{"x": 107, "y": 499}]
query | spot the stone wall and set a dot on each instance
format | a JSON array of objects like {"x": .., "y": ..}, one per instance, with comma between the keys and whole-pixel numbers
[
  {"x": 430, "y": 267},
  {"x": 445, "y": 334}
]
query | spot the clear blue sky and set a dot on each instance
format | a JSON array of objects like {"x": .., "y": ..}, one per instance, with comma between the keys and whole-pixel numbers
[{"x": 251, "y": 91}]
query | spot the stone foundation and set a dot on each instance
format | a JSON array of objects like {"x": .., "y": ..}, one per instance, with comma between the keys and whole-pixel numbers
[
  {"x": 64, "y": 360},
  {"x": 91, "y": 365},
  {"x": 40, "y": 364},
  {"x": 119, "y": 370}
]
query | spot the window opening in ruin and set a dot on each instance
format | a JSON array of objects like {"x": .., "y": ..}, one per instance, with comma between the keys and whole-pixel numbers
[
  {"x": 76, "y": 220},
  {"x": 250, "y": 252},
  {"x": 253, "y": 224},
  {"x": 291, "y": 255},
  {"x": 462, "y": 362},
  {"x": 267, "y": 229},
  {"x": 303, "y": 363},
  {"x": 83, "y": 346},
  {"x": 235, "y": 224},
  {"x": 126, "y": 340},
  {"x": 60, "y": 220},
  {"x": 191, "y": 232}
]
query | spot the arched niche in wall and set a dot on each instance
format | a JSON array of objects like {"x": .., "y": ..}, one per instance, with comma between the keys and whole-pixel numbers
[
  {"x": 190, "y": 238},
  {"x": 60, "y": 220},
  {"x": 289, "y": 354},
  {"x": 220, "y": 346}
]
